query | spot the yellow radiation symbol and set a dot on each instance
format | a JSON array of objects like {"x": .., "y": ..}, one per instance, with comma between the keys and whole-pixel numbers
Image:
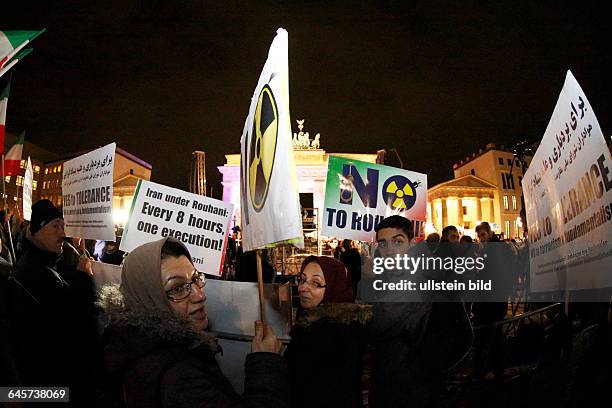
[
  {"x": 398, "y": 193},
  {"x": 262, "y": 147}
]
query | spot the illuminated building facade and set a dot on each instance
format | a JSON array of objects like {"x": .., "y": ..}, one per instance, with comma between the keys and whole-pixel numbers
[
  {"x": 311, "y": 168},
  {"x": 484, "y": 189}
]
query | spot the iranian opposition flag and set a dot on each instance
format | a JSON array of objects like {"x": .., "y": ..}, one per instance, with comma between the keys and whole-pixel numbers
[
  {"x": 12, "y": 45},
  {"x": 5, "y": 87},
  {"x": 13, "y": 157}
]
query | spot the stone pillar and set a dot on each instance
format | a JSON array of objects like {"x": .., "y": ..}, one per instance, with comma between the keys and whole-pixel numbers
[
  {"x": 459, "y": 212},
  {"x": 479, "y": 208},
  {"x": 444, "y": 213},
  {"x": 491, "y": 210}
]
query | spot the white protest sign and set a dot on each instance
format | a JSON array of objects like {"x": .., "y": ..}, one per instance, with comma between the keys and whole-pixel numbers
[
  {"x": 87, "y": 195},
  {"x": 27, "y": 192},
  {"x": 201, "y": 223},
  {"x": 568, "y": 199}
]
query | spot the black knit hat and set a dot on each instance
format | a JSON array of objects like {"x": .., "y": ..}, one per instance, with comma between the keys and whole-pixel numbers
[{"x": 43, "y": 212}]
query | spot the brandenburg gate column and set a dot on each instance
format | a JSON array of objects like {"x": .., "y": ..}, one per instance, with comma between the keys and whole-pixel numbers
[
  {"x": 459, "y": 212},
  {"x": 444, "y": 213}
]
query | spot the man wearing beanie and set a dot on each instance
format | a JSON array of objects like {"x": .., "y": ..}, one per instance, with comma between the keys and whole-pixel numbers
[{"x": 53, "y": 310}]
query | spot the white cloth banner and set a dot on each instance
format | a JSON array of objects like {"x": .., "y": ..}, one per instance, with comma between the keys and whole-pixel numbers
[
  {"x": 270, "y": 204},
  {"x": 200, "y": 222},
  {"x": 568, "y": 199},
  {"x": 87, "y": 194},
  {"x": 27, "y": 192}
]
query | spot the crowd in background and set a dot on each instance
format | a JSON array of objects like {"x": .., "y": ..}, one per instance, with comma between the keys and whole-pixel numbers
[{"x": 147, "y": 343}]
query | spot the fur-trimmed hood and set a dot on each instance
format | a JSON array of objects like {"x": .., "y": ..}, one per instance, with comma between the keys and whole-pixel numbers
[
  {"x": 340, "y": 313},
  {"x": 133, "y": 333}
]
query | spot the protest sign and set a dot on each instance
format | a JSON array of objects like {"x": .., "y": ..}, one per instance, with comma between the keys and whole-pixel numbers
[
  {"x": 27, "y": 191},
  {"x": 232, "y": 308},
  {"x": 568, "y": 199},
  {"x": 105, "y": 274},
  {"x": 270, "y": 203},
  {"x": 358, "y": 195},
  {"x": 87, "y": 195},
  {"x": 201, "y": 223}
]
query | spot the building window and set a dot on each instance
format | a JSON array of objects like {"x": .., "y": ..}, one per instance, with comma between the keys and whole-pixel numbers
[
  {"x": 7, "y": 179},
  {"x": 19, "y": 181},
  {"x": 22, "y": 164},
  {"x": 500, "y": 160},
  {"x": 34, "y": 184},
  {"x": 516, "y": 228},
  {"x": 509, "y": 162},
  {"x": 59, "y": 168},
  {"x": 507, "y": 225},
  {"x": 514, "y": 202},
  {"x": 473, "y": 172},
  {"x": 507, "y": 181},
  {"x": 36, "y": 169},
  {"x": 15, "y": 198},
  {"x": 506, "y": 202},
  {"x": 46, "y": 171},
  {"x": 464, "y": 210}
]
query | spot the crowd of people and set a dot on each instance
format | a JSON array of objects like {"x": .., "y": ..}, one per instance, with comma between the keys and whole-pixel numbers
[{"x": 146, "y": 342}]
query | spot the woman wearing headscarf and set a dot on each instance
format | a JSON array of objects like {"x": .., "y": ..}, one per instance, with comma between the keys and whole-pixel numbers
[
  {"x": 328, "y": 339},
  {"x": 159, "y": 353}
]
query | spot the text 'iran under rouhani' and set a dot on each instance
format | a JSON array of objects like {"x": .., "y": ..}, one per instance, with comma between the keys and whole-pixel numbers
[{"x": 180, "y": 217}]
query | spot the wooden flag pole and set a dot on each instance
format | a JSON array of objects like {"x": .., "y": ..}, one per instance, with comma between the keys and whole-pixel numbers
[{"x": 262, "y": 304}]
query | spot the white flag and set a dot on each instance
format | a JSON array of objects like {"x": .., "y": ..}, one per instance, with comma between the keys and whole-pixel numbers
[
  {"x": 270, "y": 202},
  {"x": 27, "y": 192}
]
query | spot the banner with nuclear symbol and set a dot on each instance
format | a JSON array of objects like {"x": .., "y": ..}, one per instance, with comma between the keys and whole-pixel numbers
[
  {"x": 270, "y": 206},
  {"x": 358, "y": 195}
]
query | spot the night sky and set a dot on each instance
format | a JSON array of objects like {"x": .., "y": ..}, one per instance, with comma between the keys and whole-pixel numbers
[{"x": 165, "y": 77}]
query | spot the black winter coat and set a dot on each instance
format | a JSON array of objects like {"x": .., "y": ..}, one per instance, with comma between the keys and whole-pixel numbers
[
  {"x": 325, "y": 355},
  {"x": 153, "y": 361},
  {"x": 53, "y": 324}
]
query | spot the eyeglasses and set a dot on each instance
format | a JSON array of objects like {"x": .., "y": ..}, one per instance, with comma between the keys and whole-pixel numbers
[
  {"x": 302, "y": 280},
  {"x": 183, "y": 291}
]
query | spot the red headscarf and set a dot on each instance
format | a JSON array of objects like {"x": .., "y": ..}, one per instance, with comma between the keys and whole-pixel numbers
[{"x": 338, "y": 287}]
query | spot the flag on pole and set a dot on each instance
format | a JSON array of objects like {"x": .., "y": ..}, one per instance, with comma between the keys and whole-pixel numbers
[
  {"x": 13, "y": 157},
  {"x": 27, "y": 192},
  {"x": 5, "y": 89},
  {"x": 12, "y": 47},
  {"x": 270, "y": 205},
  {"x": 11, "y": 42},
  {"x": 19, "y": 56}
]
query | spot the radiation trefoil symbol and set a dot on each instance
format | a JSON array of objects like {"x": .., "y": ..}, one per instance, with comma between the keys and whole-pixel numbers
[
  {"x": 262, "y": 149},
  {"x": 399, "y": 193}
]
